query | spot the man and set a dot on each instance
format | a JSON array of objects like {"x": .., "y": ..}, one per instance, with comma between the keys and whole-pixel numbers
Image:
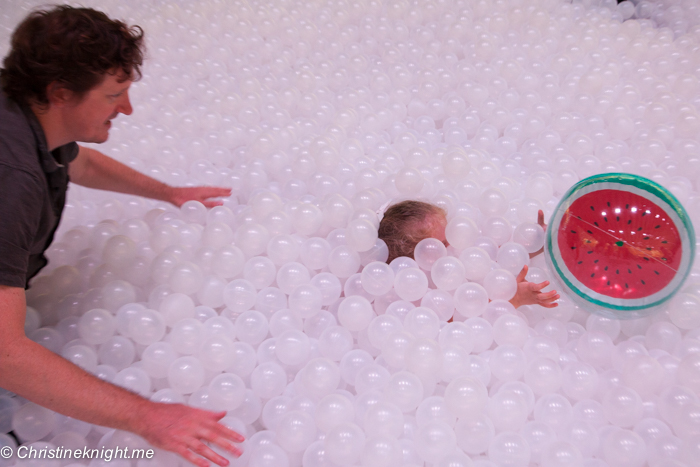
[{"x": 65, "y": 78}]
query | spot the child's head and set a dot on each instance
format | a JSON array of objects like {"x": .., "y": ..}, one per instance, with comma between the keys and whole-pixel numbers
[{"x": 406, "y": 223}]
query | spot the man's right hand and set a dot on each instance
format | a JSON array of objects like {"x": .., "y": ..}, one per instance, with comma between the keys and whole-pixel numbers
[{"x": 185, "y": 430}]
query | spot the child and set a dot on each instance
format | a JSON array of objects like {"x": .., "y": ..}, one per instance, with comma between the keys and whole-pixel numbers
[{"x": 406, "y": 223}]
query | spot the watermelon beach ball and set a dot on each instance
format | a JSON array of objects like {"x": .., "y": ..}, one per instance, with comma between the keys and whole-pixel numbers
[{"x": 620, "y": 245}]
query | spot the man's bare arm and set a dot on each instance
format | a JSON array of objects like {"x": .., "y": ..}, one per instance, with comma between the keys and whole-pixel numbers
[
  {"x": 39, "y": 375},
  {"x": 93, "y": 169}
]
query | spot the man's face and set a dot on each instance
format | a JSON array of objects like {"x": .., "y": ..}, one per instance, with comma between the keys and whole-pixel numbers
[{"x": 89, "y": 117}]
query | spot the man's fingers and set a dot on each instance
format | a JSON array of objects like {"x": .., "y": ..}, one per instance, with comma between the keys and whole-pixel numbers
[
  {"x": 212, "y": 204},
  {"x": 192, "y": 457},
  {"x": 540, "y": 218},
  {"x": 205, "y": 451}
]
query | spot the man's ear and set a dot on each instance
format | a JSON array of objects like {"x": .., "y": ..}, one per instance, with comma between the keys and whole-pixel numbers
[{"x": 58, "y": 95}]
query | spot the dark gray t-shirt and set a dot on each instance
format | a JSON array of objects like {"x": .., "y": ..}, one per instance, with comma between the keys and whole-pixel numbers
[{"x": 33, "y": 185}]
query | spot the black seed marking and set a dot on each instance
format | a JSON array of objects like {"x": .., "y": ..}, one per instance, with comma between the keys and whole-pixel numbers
[
  {"x": 629, "y": 222},
  {"x": 643, "y": 283},
  {"x": 588, "y": 241},
  {"x": 617, "y": 271},
  {"x": 606, "y": 219},
  {"x": 618, "y": 218},
  {"x": 580, "y": 262},
  {"x": 664, "y": 259},
  {"x": 573, "y": 231},
  {"x": 627, "y": 206},
  {"x": 627, "y": 286},
  {"x": 664, "y": 241},
  {"x": 657, "y": 273},
  {"x": 589, "y": 232},
  {"x": 608, "y": 203},
  {"x": 657, "y": 226},
  {"x": 592, "y": 274},
  {"x": 648, "y": 248},
  {"x": 589, "y": 252},
  {"x": 596, "y": 224},
  {"x": 647, "y": 238},
  {"x": 629, "y": 270},
  {"x": 639, "y": 229},
  {"x": 646, "y": 259},
  {"x": 578, "y": 217},
  {"x": 573, "y": 247},
  {"x": 608, "y": 282},
  {"x": 644, "y": 214},
  {"x": 639, "y": 266},
  {"x": 596, "y": 261},
  {"x": 606, "y": 268},
  {"x": 592, "y": 208}
]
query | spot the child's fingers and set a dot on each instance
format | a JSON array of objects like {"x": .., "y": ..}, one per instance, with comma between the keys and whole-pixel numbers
[{"x": 522, "y": 274}]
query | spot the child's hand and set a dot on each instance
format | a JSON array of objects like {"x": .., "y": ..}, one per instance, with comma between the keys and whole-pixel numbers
[{"x": 530, "y": 293}]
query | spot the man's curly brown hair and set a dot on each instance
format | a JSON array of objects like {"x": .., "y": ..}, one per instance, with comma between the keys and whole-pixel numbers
[
  {"x": 405, "y": 224},
  {"x": 74, "y": 47}
]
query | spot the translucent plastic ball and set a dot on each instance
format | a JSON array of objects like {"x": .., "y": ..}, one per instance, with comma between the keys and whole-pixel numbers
[
  {"x": 305, "y": 301},
  {"x": 268, "y": 380},
  {"x": 448, "y": 273},
  {"x": 314, "y": 253},
  {"x": 510, "y": 329},
  {"x": 500, "y": 284},
  {"x": 268, "y": 455},
  {"x": 292, "y": 347},
  {"x": 147, "y": 327},
  {"x": 461, "y": 232},
  {"x": 176, "y": 307},
  {"x": 554, "y": 410},
  {"x": 470, "y": 299},
  {"x": 377, "y": 278},
  {"x": 319, "y": 377},
  {"x": 251, "y": 327},
  {"x": 509, "y": 448},
  {"x": 508, "y": 410},
  {"x": 507, "y": 362},
  {"x": 187, "y": 335},
  {"x": 260, "y": 271},
  {"x": 361, "y": 234},
  {"x": 512, "y": 257},
  {"x": 474, "y": 434},
  {"x": 216, "y": 352},
  {"x": 186, "y": 375},
  {"x": 410, "y": 284},
  {"x": 624, "y": 448},
  {"x": 97, "y": 326},
  {"x": 428, "y": 251},
  {"x": 466, "y": 397},
  {"x": 157, "y": 358},
  {"x": 433, "y": 440},
  {"x": 530, "y": 235},
  {"x": 344, "y": 443},
  {"x": 477, "y": 263},
  {"x": 32, "y": 422},
  {"x": 343, "y": 261},
  {"x": 422, "y": 322},
  {"x": 186, "y": 278},
  {"x": 240, "y": 295},
  {"x": 434, "y": 409},
  {"x": 543, "y": 375},
  {"x": 383, "y": 418},
  {"x": 492, "y": 202},
  {"x": 405, "y": 390},
  {"x": 333, "y": 410},
  {"x": 334, "y": 342},
  {"x": 381, "y": 451},
  {"x": 295, "y": 431},
  {"x": 560, "y": 453},
  {"x": 329, "y": 286},
  {"x": 645, "y": 375},
  {"x": 371, "y": 377},
  {"x": 355, "y": 313}
]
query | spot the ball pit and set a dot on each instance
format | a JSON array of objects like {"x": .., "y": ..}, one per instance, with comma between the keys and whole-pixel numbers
[{"x": 278, "y": 306}]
